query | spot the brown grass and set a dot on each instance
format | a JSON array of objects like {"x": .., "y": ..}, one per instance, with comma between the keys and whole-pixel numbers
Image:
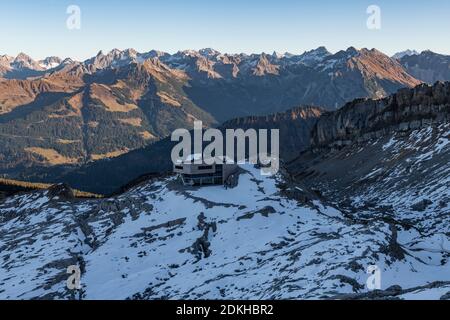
[
  {"x": 64, "y": 141},
  {"x": 112, "y": 154},
  {"x": 106, "y": 96},
  {"x": 135, "y": 122},
  {"x": 167, "y": 99},
  {"x": 147, "y": 135},
  {"x": 76, "y": 102},
  {"x": 43, "y": 186},
  {"x": 51, "y": 156}
]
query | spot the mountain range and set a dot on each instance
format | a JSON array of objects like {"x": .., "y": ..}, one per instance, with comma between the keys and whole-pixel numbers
[
  {"x": 367, "y": 192},
  {"x": 363, "y": 181},
  {"x": 57, "y": 115}
]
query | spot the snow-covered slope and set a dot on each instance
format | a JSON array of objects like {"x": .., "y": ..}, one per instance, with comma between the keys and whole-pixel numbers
[{"x": 266, "y": 238}]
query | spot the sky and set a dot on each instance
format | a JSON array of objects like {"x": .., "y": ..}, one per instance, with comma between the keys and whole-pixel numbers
[{"x": 39, "y": 27}]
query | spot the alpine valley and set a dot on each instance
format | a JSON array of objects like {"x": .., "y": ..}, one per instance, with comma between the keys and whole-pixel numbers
[
  {"x": 59, "y": 114},
  {"x": 364, "y": 180}
]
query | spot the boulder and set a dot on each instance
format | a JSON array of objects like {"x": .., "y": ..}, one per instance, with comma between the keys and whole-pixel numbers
[{"x": 61, "y": 190}]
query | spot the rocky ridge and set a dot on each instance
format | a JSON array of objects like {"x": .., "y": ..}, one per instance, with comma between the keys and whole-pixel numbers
[{"x": 365, "y": 119}]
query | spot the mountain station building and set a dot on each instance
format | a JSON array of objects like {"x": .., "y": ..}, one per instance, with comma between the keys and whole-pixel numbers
[{"x": 194, "y": 173}]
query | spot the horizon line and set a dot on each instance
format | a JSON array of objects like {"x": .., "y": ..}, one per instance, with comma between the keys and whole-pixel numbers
[{"x": 210, "y": 48}]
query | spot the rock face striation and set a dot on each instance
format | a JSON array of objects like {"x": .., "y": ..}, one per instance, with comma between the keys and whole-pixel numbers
[{"x": 365, "y": 119}]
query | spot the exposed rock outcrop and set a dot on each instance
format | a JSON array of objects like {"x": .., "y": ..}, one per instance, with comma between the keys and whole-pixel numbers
[
  {"x": 365, "y": 119},
  {"x": 61, "y": 190}
]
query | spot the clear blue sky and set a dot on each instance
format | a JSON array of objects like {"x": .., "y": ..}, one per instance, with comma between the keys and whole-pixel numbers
[{"x": 38, "y": 28}]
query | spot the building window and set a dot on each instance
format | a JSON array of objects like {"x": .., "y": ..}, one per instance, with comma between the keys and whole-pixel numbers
[{"x": 179, "y": 167}]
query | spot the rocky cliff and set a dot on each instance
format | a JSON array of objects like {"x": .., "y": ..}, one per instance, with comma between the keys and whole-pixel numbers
[{"x": 364, "y": 119}]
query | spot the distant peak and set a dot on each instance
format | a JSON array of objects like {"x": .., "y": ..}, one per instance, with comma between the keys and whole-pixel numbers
[
  {"x": 131, "y": 52},
  {"x": 279, "y": 55},
  {"x": 352, "y": 50},
  {"x": 52, "y": 59},
  {"x": 153, "y": 54},
  {"x": 428, "y": 51},
  {"x": 405, "y": 53},
  {"x": 50, "y": 62},
  {"x": 67, "y": 61},
  {"x": 321, "y": 49},
  {"x": 315, "y": 56},
  {"x": 372, "y": 51},
  {"x": 115, "y": 50},
  {"x": 23, "y": 56},
  {"x": 209, "y": 52},
  {"x": 192, "y": 53},
  {"x": 6, "y": 57}
]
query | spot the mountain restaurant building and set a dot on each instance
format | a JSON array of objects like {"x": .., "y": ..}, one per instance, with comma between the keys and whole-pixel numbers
[{"x": 202, "y": 173}]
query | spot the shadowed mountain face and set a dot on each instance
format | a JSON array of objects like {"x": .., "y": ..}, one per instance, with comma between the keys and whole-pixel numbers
[
  {"x": 294, "y": 125},
  {"x": 399, "y": 141},
  {"x": 427, "y": 66},
  {"x": 70, "y": 113},
  {"x": 108, "y": 175}
]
